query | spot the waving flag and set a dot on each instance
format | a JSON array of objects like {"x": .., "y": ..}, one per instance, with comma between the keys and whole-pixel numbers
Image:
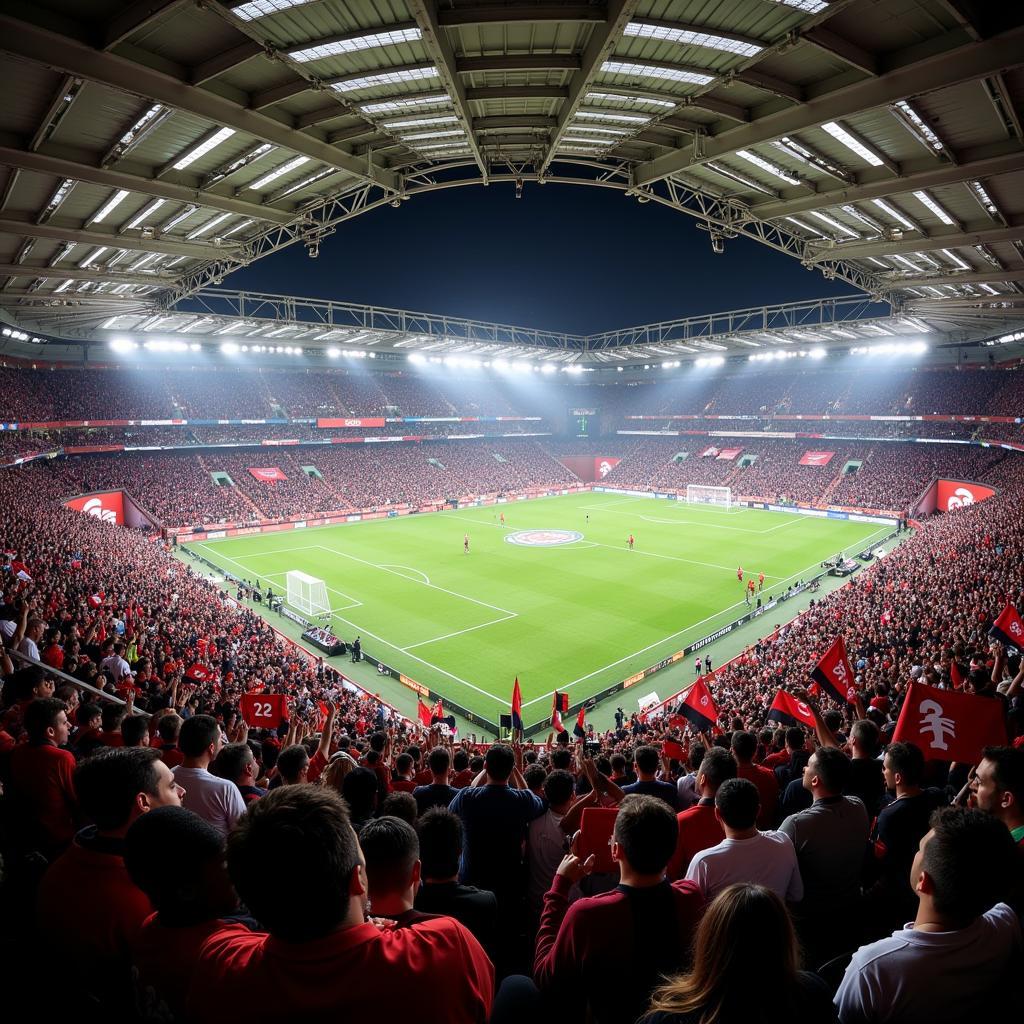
[
  {"x": 438, "y": 715},
  {"x": 787, "y": 710},
  {"x": 950, "y": 726},
  {"x": 517, "y": 707},
  {"x": 580, "y": 728},
  {"x": 698, "y": 708},
  {"x": 956, "y": 676},
  {"x": 674, "y": 750},
  {"x": 423, "y": 713},
  {"x": 556, "y": 718},
  {"x": 199, "y": 673},
  {"x": 1009, "y": 628},
  {"x": 834, "y": 673}
]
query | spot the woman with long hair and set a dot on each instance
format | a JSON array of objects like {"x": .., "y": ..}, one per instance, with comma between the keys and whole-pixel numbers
[{"x": 746, "y": 968}]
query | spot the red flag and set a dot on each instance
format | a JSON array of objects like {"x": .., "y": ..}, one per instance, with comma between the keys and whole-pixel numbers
[
  {"x": 95, "y": 600},
  {"x": 199, "y": 673},
  {"x": 422, "y": 713},
  {"x": 787, "y": 710},
  {"x": 955, "y": 676},
  {"x": 699, "y": 708},
  {"x": 674, "y": 750},
  {"x": 438, "y": 714},
  {"x": 263, "y": 710},
  {"x": 517, "y": 707},
  {"x": 950, "y": 726},
  {"x": 560, "y": 702},
  {"x": 1009, "y": 628},
  {"x": 676, "y": 722},
  {"x": 580, "y": 728},
  {"x": 556, "y": 721},
  {"x": 322, "y": 712},
  {"x": 834, "y": 673}
]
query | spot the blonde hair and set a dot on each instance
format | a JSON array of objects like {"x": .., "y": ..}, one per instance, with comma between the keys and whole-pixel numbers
[
  {"x": 745, "y": 946},
  {"x": 334, "y": 774}
]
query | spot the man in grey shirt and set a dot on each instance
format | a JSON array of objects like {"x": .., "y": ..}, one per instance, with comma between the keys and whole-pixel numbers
[{"x": 830, "y": 839}]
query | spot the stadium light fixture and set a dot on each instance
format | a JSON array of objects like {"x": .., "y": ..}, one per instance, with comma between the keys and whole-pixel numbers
[
  {"x": 817, "y": 353},
  {"x": 150, "y": 119},
  {"x": 691, "y": 37},
  {"x": 709, "y": 361},
  {"x": 208, "y": 226},
  {"x": 665, "y": 72},
  {"x": 386, "y": 78},
  {"x": 60, "y": 193},
  {"x": 238, "y": 227},
  {"x": 178, "y": 218},
  {"x": 144, "y": 214},
  {"x": 742, "y": 179},
  {"x": 94, "y": 255},
  {"x": 416, "y": 122},
  {"x": 248, "y": 157},
  {"x": 854, "y": 145},
  {"x": 203, "y": 147},
  {"x": 608, "y": 115},
  {"x": 826, "y": 219},
  {"x": 109, "y": 206},
  {"x": 926, "y": 200},
  {"x": 302, "y": 183},
  {"x": 623, "y": 98},
  {"x": 807, "y": 6},
  {"x": 803, "y": 154},
  {"x": 353, "y": 44},
  {"x": 919, "y": 127},
  {"x": 909, "y": 264},
  {"x": 229, "y": 348},
  {"x": 333, "y": 352},
  {"x": 766, "y": 165},
  {"x": 405, "y": 102},
  {"x": 276, "y": 173},
  {"x": 443, "y": 133},
  {"x": 144, "y": 261},
  {"x": 889, "y": 210},
  {"x": 599, "y": 130},
  {"x": 805, "y": 226},
  {"x": 984, "y": 198},
  {"x": 122, "y": 345}
]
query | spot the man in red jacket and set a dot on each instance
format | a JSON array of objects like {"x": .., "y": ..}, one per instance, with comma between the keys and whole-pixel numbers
[
  {"x": 323, "y": 956},
  {"x": 609, "y": 951}
]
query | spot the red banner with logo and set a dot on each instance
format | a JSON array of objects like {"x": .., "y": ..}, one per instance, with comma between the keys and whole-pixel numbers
[
  {"x": 263, "y": 710},
  {"x": 710, "y": 450},
  {"x": 950, "y": 726},
  {"x": 107, "y": 506},
  {"x": 603, "y": 466},
  {"x": 816, "y": 458},
  {"x": 728, "y": 454},
  {"x": 373, "y": 421},
  {"x": 268, "y": 474},
  {"x": 953, "y": 494}
]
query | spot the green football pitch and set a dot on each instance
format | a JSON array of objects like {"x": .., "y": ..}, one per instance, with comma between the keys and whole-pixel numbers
[{"x": 576, "y": 616}]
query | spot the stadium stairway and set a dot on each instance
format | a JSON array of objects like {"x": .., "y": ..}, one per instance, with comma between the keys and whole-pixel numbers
[{"x": 260, "y": 514}]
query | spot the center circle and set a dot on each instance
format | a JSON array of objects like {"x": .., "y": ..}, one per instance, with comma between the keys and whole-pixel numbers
[{"x": 543, "y": 538}]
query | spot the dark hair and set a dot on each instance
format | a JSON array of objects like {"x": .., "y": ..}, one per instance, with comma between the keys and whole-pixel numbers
[
  {"x": 795, "y": 738},
  {"x": 744, "y": 746},
  {"x": 230, "y": 761},
  {"x": 717, "y": 766},
  {"x": 359, "y": 788},
  {"x": 112, "y": 716},
  {"x": 439, "y": 761},
  {"x": 291, "y": 761},
  {"x": 440, "y": 834},
  {"x": 134, "y": 729},
  {"x": 647, "y": 831},
  {"x": 400, "y": 805},
  {"x": 646, "y": 759},
  {"x": 833, "y": 769},
  {"x": 461, "y": 760},
  {"x": 908, "y": 761},
  {"x": 197, "y": 734},
  {"x": 305, "y": 825},
  {"x": 618, "y": 764},
  {"x": 108, "y": 783},
  {"x": 971, "y": 859},
  {"x": 403, "y": 763},
  {"x": 168, "y": 727},
  {"x": 40, "y": 715},
  {"x": 697, "y": 752},
  {"x": 1009, "y": 770},
  {"x": 378, "y": 741},
  {"x": 391, "y": 850},
  {"x": 499, "y": 762},
  {"x": 738, "y": 802},
  {"x": 561, "y": 758},
  {"x": 167, "y": 853},
  {"x": 535, "y": 775},
  {"x": 559, "y": 787}
]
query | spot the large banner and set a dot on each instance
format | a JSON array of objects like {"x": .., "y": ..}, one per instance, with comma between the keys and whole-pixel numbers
[
  {"x": 953, "y": 494},
  {"x": 728, "y": 454},
  {"x": 816, "y": 458},
  {"x": 710, "y": 450},
  {"x": 107, "y": 506},
  {"x": 603, "y": 466},
  {"x": 268, "y": 474},
  {"x": 330, "y": 423}
]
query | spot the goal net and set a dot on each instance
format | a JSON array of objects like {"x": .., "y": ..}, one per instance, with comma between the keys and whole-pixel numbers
[
  {"x": 307, "y": 593},
  {"x": 701, "y": 494}
]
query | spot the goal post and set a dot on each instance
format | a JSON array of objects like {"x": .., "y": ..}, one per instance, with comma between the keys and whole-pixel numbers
[
  {"x": 702, "y": 494},
  {"x": 307, "y": 593}
]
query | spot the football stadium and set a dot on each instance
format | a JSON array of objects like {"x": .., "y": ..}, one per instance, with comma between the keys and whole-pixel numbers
[{"x": 512, "y": 501}]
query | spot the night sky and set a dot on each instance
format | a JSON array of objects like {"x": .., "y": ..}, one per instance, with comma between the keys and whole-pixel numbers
[{"x": 566, "y": 258}]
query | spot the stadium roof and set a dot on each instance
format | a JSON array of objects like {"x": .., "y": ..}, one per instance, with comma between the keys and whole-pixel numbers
[{"x": 153, "y": 147}]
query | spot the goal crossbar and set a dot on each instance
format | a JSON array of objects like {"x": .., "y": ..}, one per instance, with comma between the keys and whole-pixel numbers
[
  {"x": 704, "y": 494},
  {"x": 307, "y": 593}
]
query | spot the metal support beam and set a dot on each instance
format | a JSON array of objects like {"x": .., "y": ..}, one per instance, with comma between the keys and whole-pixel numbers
[
  {"x": 949, "y": 240},
  {"x": 74, "y": 273},
  {"x": 967, "y": 277},
  {"x": 41, "y": 163},
  {"x": 225, "y": 61},
  {"x": 12, "y": 225},
  {"x": 723, "y": 108},
  {"x": 508, "y": 15},
  {"x": 834, "y": 44},
  {"x": 438, "y": 47},
  {"x": 136, "y": 17},
  {"x": 280, "y": 93},
  {"x": 29, "y": 42},
  {"x": 931, "y": 177},
  {"x": 518, "y": 62},
  {"x": 356, "y": 131},
  {"x": 513, "y": 121},
  {"x": 601, "y": 43},
  {"x": 518, "y": 92},
  {"x": 961, "y": 64},
  {"x": 769, "y": 83}
]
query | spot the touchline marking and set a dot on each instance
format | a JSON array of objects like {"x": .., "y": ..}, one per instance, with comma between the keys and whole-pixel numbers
[
  {"x": 387, "y": 643},
  {"x": 459, "y": 632}
]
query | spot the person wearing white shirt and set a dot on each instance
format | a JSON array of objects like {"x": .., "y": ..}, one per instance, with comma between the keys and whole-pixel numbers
[
  {"x": 217, "y": 801},
  {"x": 33, "y": 634},
  {"x": 950, "y": 963},
  {"x": 746, "y": 855}
]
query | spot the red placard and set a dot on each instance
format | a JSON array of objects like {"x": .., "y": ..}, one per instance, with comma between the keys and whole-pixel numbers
[
  {"x": 263, "y": 710},
  {"x": 107, "y": 506},
  {"x": 603, "y": 466},
  {"x": 953, "y": 494},
  {"x": 268, "y": 474},
  {"x": 728, "y": 454},
  {"x": 373, "y": 421},
  {"x": 816, "y": 458}
]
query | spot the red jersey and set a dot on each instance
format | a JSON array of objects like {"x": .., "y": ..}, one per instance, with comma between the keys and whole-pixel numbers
[
  {"x": 42, "y": 777},
  {"x": 739, "y": 575},
  {"x": 699, "y": 829},
  {"x": 257, "y": 978}
]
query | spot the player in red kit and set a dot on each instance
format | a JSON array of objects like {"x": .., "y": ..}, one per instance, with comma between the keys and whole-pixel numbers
[
  {"x": 502, "y": 518},
  {"x": 630, "y": 542},
  {"x": 760, "y": 581},
  {"x": 750, "y": 589},
  {"x": 739, "y": 574}
]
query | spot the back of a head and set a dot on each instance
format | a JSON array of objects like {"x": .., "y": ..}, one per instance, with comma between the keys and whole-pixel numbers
[
  {"x": 738, "y": 802},
  {"x": 440, "y": 835},
  {"x": 292, "y": 762},
  {"x": 108, "y": 783},
  {"x": 795, "y": 738},
  {"x": 403, "y": 764},
  {"x": 646, "y": 759},
  {"x": 535, "y": 776},
  {"x": 717, "y": 766},
  {"x": 400, "y": 805},
  {"x": 295, "y": 825},
  {"x": 865, "y": 735},
  {"x": 646, "y": 831},
  {"x": 906, "y": 760},
  {"x": 112, "y": 715},
  {"x": 231, "y": 761},
  {"x": 558, "y": 788},
  {"x": 499, "y": 762},
  {"x": 833, "y": 769},
  {"x": 460, "y": 762},
  {"x": 618, "y": 765},
  {"x": 972, "y": 861},
  {"x": 744, "y": 746},
  {"x": 391, "y": 849},
  {"x": 697, "y": 752},
  {"x": 135, "y": 731},
  {"x": 561, "y": 758},
  {"x": 359, "y": 789},
  {"x": 168, "y": 728},
  {"x": 197, "y": 734},
  {"x": 378, "y": 741},
  {"x": 439, "y": 761},
  {"x": 176, "y": 858}
]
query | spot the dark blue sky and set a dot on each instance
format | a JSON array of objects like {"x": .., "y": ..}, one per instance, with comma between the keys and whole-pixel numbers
[{"x": 563, "y": 258}]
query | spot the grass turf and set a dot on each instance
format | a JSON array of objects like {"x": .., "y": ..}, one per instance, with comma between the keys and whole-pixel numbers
[{"x": 574, "y": 618}]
